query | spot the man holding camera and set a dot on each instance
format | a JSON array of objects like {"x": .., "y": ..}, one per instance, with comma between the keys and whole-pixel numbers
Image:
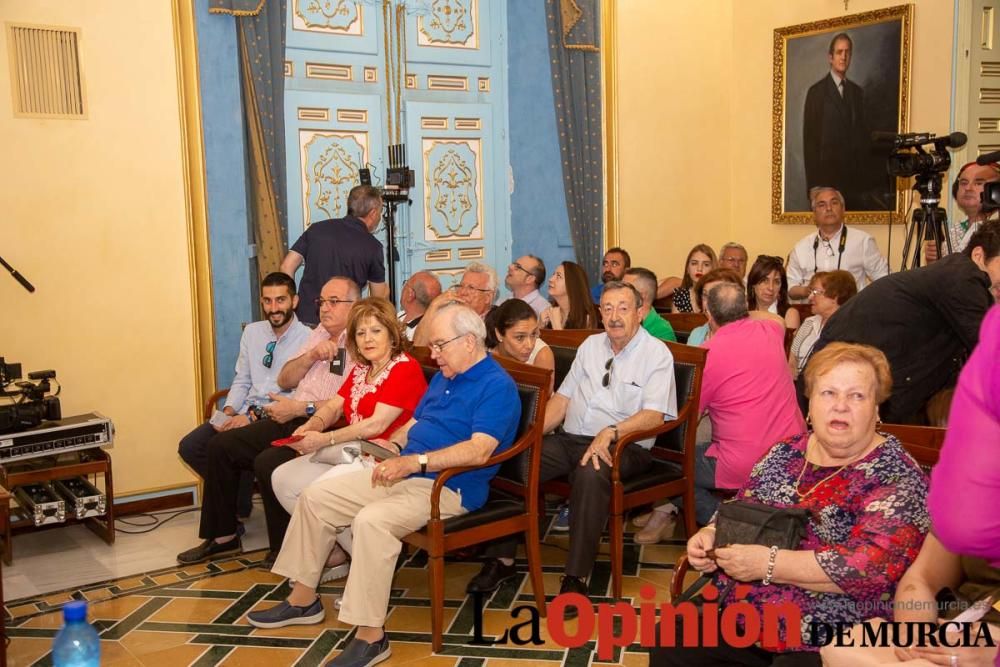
[
  {"x": 265, "y": 346},
  {"x": 833, "y": 246},
  {"x": 316, "y": 373},
  {"x": 341, "y": 247},
  {"x": 968, "y": 194},
  {"x": 925, "y": 320}
]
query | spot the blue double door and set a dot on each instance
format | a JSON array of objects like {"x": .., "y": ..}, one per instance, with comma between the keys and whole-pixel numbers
[{"x": 449, "y": 109}]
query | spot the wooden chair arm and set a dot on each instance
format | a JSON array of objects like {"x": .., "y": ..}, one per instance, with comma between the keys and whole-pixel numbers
[
  {"x": 635, "y": 436},
  {"x": 213, "y": 400},
  {"x": 444, "y": 475},
  {"x": 681, "y": 568}
]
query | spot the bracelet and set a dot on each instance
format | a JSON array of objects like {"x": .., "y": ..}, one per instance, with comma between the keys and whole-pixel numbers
[
  {"x": 399, "y": 447},
  {"x": 770, "y": 566},
  {"x": 333, "y": 440},
  {"x": 322, "y": 422}
]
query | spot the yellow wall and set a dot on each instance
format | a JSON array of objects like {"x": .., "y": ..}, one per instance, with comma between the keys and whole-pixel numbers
[
  {"x": 673, "y": 128},
  {"x": 94, "y": 215},
  {"x": 695, "y": 85}
]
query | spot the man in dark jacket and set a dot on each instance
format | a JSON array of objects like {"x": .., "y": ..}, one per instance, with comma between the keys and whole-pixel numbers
[{"x": 926, "y": 321}]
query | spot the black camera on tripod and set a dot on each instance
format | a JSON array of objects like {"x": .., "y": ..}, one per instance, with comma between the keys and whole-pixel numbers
[
  {"x": 918, "y": 161},
  {"x": 30, "y": 402},
  {"x": 927, "y": 166}
]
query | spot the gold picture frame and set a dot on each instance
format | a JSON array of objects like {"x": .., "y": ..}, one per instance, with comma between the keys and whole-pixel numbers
[{"x": 821, "y": 131}]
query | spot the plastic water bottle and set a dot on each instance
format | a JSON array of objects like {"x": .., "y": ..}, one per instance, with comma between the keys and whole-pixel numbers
[{"x": 77, "y": 644}]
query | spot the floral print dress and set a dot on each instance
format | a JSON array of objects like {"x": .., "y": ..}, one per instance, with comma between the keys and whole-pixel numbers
[{"x": 867, "y": 524}]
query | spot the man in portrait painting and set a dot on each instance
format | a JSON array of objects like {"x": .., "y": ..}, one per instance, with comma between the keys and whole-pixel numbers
[{"x": 835, "y": 136}]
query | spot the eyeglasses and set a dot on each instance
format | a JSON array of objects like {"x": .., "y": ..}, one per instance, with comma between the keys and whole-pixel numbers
[
  {"x": 269, "y": 357},
  {"x": 332, "y": 301},
  {"x": 608, "y": 367},
  {"x": 817, "y": 292},
  {"x": 437, "y": 347},
  {"x": 518, "y": 266},
  {"x": 467, "y": 287}
]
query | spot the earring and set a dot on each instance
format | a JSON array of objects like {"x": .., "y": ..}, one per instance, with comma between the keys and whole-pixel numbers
[{"x": 809, "y": 421}]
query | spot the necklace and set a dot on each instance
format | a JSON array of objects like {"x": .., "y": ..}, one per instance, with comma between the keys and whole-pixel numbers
[
  {"x": 374, "y": 372},
  {"x": 805, "y": 464}
]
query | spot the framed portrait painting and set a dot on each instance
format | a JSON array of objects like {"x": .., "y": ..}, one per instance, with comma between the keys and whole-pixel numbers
[{"x": 835, "y": 83}]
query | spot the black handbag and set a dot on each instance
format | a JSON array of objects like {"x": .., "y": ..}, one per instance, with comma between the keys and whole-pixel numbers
[{"x": 744, "y": 522}]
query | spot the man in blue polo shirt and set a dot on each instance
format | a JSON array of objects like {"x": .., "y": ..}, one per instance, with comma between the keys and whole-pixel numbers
[{"x": 471, "y": 410}]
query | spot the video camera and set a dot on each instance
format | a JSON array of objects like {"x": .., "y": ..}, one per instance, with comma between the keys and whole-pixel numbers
[
  {"x": 30, "y": 400},
  {"x": 910, "y": 158}
]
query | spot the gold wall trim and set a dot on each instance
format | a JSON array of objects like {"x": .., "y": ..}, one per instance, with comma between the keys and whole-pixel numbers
[
  {"x": 441, "y": 82},
  {"x": 484, "y": 84},
  {"x": 438, "y": 256},
  {"x": 329, "y": 71},
  {"x": 411, "y": 81},
  {"x": 468, "y": 124},
  {"x": 609, "y": 98},
  {"x": 433, "y": 123},
  {"x": 195, "y": 199},
  {"x": 471, "y": 253},
  {"x": 313, "y": 113},
  {"x": 371, "y": 74},
  {"x": 352, "y": 116},
  {"x": 289, "y": 68}
]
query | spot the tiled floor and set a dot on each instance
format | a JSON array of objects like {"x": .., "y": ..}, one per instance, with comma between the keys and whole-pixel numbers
[{"x": 196, "y": 615}]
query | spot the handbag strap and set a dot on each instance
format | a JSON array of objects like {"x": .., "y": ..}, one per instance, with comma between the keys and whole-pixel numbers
[{"x": 699, "y": 584}]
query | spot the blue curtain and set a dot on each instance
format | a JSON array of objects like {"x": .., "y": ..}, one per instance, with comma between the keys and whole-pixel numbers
[
  {"x": 260, "y": 27},
  {"x": 574, "y": 46}
]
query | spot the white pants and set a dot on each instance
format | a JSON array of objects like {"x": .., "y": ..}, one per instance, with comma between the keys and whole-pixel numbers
[{"x": 290, "y": 479}]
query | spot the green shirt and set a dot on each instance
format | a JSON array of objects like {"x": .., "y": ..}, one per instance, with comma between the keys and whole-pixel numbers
[{"x": 658, "y": 327}]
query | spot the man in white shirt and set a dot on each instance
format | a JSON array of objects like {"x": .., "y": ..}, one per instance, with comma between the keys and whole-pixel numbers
[
  {"x": 416, "y": 295},
  {"x": 621, "y": 381},
  {"x": 833, "y": 246},
  {"x": 524, "y": 276}
]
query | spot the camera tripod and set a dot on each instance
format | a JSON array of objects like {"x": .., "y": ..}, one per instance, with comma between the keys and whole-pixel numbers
[{"x": 929, "y": 222}]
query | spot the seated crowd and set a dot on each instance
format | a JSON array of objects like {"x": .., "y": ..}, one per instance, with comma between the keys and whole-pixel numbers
[{"x": 790, "y": 413}]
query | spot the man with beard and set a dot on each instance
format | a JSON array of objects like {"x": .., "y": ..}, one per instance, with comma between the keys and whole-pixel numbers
[
  {"x": 264, "y": 348},
  {"x": 616, "y": 261},
  {"x": 621, "y": 381},
  {"x": 316, "y": 373}
]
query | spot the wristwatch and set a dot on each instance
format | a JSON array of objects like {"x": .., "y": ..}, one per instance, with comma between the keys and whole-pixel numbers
[
  {"x": 310, "y": 409},
  {"x": 614, "y": 427},
  {"x": 422, "y": 460}
]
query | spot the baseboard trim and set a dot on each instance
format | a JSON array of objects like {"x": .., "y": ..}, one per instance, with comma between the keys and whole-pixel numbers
[{"x": 168, "y": 501}]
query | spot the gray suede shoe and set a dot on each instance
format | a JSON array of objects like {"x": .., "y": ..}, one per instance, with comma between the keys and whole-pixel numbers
[{"x": 286, "y": 614}]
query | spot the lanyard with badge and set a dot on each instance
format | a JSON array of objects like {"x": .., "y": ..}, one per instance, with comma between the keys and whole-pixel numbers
[{"x": 840, "y": 250}]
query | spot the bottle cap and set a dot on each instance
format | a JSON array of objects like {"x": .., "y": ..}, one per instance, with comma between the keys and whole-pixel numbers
[{"x": 75, "y": 611}]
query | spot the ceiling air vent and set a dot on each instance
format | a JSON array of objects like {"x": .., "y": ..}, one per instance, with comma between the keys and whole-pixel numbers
[{"x": 45, "y": 71}]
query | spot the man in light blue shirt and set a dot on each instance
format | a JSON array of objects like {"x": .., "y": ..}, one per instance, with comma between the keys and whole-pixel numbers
[
  {"x": 264, "y": 348},
  {"x": 621, "y": 381},
  {"x": 524, "y": 276}
]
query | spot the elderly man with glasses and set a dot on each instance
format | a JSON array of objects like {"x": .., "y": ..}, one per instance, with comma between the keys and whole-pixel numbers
[
  {"x": 316, "y": 373},
  {"x": 834, "y": 246},
  {"x": 524, "y": 276},
  {"x": 477, "y": 289},
  {"x": 470, "y": 411},
  {"x": 265, "y": 346},
  {"x": 621, "y": 381}
]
